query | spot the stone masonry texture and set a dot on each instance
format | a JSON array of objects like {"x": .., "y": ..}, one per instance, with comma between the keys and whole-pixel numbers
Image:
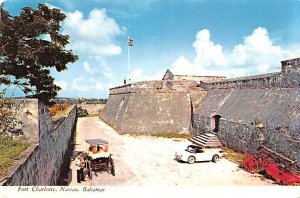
[
  {"x": 254, "y": 111},
  {"x": 149, "y": 113}
]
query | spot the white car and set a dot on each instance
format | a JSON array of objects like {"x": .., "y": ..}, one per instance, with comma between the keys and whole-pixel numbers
[{"x": 195, "y": 153}]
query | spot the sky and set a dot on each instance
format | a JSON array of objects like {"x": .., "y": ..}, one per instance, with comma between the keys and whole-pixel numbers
[{"x": 190, "y": 37}]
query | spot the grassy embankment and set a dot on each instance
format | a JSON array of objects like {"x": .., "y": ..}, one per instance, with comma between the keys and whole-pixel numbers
[
  {"x": 60, "y": 114},
  {"x": 10, "y": 151},
  {"x": 172, "y": 135},
  {"x": 234, "y": 156}
]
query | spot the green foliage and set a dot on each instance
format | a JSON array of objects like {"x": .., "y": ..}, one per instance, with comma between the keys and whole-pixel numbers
[
  {"x": 92, "y": 101},
  {"x": 26, "y": 56},
  {"x": 10, "y": 151},
  {"x": 81, "y": 112}
]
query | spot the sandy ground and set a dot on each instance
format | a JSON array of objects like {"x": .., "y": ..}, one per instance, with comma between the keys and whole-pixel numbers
[{"x": 148, "y": 161}]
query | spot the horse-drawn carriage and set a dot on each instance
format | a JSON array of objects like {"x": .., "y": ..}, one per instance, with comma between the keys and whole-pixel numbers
[{"x": 98, "y": 157}]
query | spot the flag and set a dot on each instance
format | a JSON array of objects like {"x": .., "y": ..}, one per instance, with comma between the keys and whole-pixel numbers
[{"x": 130, "y": 42}]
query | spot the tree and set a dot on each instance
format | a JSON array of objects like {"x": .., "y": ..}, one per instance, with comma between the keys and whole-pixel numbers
[{"x": 30, "y": 45}]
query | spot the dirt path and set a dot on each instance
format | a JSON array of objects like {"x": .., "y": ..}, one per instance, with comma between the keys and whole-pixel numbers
[{"x": 150, "y": 161}]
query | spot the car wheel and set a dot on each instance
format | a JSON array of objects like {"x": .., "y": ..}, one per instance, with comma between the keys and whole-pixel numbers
[
  {"x": 215, "y": 158},
  {"x": 191, "y": 160}
]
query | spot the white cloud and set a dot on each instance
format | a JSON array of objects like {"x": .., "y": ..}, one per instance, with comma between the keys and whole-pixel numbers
[
  {"x": 51, "y": 6},
  {"x": 138, "y": 74},
  {"x": 90, "y": 87},
  {"x": 256, "y": 55},
  {"x": 100, "y": 86},
  {"x": 87, "y": 67},
  {"x": 62, "y": 84},
  {"x": 1, "y": 1},
  {"x": 100, "y": 68},
  {"x": 94, "y": 36},
  {"x": 80, "y": 84}
]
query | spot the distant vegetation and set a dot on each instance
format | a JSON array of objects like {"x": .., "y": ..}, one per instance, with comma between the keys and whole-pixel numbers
[
  {"x": 79, "y": 101},
  {"x": 95, "y": 101},
  {"x": 82, "y": 112},
  {"x": 57, "y": 107},
  {"x": 11, "y": 150}
]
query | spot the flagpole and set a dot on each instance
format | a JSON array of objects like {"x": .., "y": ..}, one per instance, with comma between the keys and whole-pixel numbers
[{"x": 128, "y": 60}]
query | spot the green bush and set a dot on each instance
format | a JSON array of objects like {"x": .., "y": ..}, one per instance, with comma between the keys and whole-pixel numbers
[
  {"x": 10, "y": 151},
  {"x": 82, "y": 112}
]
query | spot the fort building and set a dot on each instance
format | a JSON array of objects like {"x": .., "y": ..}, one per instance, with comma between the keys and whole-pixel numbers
[{"x": 244, "y": 112}]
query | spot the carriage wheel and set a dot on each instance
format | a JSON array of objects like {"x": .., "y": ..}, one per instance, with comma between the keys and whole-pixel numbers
[
  {"x": 264, "y": 163},
  {"x": 250, "y": 164},
  {"x": 112, "y": 167}
]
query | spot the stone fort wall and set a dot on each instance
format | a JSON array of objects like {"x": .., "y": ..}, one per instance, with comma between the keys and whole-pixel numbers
[
  {"x": 288, "y": 77},
  {"x": 150, "y": 107},
  {"x": 255, "y": 110},
  {"x": 43, "y": 160}
]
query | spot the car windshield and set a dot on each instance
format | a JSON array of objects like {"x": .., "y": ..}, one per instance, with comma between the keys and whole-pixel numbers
[
  {"x": 190, "y": 149},
  {"x": 194, "y": 149}
]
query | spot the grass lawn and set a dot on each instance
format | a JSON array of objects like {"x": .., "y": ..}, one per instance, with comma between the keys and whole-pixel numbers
[
  {"x": 10, "y": 151},
  {"x": 172, "y": 135},
  {"x": 234, "y": 156}
]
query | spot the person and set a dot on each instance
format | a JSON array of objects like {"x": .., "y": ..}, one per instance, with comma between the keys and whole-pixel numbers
[
  {"x": 100, "y": 149},
  {"x": 79, "y": 167}
]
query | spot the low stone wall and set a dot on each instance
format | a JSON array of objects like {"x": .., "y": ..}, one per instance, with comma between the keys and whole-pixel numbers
[{"x": 43, "y": 160}]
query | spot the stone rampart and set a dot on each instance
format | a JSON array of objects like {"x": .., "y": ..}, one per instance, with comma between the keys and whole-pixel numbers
[
  {"x": 42, "y": 161},
  {"x": 149, "y": 113},
  {"x": 287, "y": 78},
  {"x": 250, "y": 117},
  {"x": 259, "y": 81},
  {"x": 158, "y": 86},
  {"x": 151, "y": 107}
]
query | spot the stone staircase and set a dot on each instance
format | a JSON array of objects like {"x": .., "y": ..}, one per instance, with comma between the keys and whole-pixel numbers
[{"x": 206, "y": 140}]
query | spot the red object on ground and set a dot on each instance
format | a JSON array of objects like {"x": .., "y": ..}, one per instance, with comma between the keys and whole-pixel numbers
[
  {"x": 269, "y": 160},
  {"x": 281, "y": 177},
  {"x": 250, "y": 164}
]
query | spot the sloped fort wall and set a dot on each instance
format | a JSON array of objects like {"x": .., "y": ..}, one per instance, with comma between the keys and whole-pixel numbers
[
  {"x": 150, "y": 107},
  {"x": 253, "y": 111},
  {"x": 42, "y": 161}
]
